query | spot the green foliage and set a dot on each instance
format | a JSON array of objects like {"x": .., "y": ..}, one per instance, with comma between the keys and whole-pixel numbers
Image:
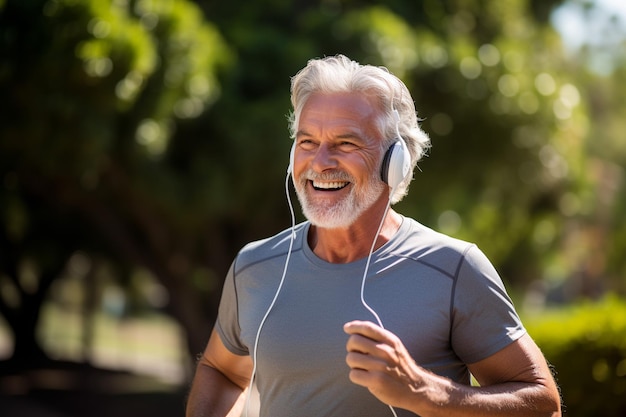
[
  {"x": 501, "y": 109},
  {"x": 154, "y": 132},
  {"x": 495, "y": 94},
  {"x": 102, "y": 60},
  {"x": 606, "y": 145},
  {"x": 586, "y": 343},
  {"x": 92, "y": 90}
]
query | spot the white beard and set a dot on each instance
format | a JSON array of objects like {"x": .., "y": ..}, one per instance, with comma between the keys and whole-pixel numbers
[{"x": 344, "y": 212}]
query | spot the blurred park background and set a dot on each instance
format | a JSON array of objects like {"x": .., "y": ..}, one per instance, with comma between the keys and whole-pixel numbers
[{"x": 143, "y": 142}]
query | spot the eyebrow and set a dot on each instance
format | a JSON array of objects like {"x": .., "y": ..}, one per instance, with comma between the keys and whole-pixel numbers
[{"x": 348, "y": 135}]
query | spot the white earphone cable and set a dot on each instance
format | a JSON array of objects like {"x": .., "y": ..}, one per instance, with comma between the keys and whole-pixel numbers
[
  {"x": 269, "y": 309},
  {"x": 367, "y": 265},
  {"x": 282, "y": 280},
  {"x": 369, "y": 256}
]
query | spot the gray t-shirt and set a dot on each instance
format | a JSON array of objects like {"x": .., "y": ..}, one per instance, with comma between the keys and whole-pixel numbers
[{"x": 440, "y": 295}]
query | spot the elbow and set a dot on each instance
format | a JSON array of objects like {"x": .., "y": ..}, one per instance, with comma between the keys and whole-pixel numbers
[{"x": 551, "y": 404}]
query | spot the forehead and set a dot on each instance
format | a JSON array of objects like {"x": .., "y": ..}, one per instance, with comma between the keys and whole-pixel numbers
[{"x": 339, "y": 110}]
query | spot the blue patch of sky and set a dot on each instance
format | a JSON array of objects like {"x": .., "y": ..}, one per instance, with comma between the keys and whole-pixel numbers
[{"x": 598, "y": 25}]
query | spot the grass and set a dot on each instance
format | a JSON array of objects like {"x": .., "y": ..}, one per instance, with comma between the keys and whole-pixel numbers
[
  {"x": 123, "y": 367},
  {"x": 151, "y": 345}
]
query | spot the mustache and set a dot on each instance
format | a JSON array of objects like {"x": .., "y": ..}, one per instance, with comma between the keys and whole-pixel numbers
[{"x": 311, "y": 175}]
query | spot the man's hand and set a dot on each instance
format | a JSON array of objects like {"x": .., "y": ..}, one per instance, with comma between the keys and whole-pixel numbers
[
  {"x": 515, "y": 381},
  {"x": 379, "y": 361}
]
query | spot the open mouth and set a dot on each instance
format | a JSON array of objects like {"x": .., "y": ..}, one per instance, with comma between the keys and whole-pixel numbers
[{"x": 329, "y": 185}]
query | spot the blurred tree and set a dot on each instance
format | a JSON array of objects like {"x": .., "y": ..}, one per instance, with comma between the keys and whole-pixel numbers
[
  {"x": 598, "y": 240},
  {"x": 489, "y": 78},
  {"x": 107, "y": 148},
  {"x": 608, "y": 146},
  {"x": 90, "y": 92}
]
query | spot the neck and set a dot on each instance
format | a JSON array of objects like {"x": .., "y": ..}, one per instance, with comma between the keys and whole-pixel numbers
[{"x": 354, "y": 242}]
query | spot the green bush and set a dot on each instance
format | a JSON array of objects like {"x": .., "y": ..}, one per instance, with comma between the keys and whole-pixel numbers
[{"x": 586, "y": 344}]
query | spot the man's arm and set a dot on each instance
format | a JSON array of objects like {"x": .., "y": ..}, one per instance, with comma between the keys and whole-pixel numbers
[
  {"x": 515, "y": 381},
  {"x": 220, "y": 382}
]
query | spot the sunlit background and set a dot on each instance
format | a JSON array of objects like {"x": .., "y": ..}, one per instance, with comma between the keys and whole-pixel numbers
[{"x": 142, "y": 143}]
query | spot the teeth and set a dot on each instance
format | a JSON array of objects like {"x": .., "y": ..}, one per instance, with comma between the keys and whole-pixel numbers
[{"x": 330, "y": 185}]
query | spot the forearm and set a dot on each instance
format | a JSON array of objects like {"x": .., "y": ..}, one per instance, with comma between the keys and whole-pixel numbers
[
  {"x": 445, "y": 398},
  {"x": 214, "y": 395}
]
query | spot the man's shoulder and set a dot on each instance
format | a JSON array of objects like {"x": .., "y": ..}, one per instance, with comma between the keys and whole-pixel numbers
[
  {"x": 444, "y": 252},
  {"x": 423, "y": 238}
]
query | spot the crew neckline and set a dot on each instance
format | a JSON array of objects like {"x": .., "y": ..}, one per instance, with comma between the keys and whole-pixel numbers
[{"x": 359, "y": 263}]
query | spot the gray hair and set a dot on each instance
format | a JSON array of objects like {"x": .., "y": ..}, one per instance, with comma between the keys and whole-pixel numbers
[{"x": 339, "y": 74}]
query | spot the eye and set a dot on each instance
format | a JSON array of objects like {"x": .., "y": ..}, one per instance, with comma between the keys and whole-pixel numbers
[
  {"x": 347, "y": 145},
  {"x": 306, "y": 144}
]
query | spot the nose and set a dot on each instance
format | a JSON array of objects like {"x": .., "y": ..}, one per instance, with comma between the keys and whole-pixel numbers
[{"x": 324, "y": 158}]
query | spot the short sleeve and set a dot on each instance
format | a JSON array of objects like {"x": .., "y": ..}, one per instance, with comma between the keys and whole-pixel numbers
[
  {"x": 484, "y": 319},
  {"x": 227, "y": 325}
]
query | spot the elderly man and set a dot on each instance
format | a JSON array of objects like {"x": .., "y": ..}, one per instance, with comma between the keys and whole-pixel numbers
[{"x": 360, "y": 311}]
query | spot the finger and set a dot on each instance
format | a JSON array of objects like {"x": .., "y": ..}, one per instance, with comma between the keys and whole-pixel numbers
[
  {"x": 359, "y": 343},
  {"x": 365, "y": 346},
  {"x": 364, "y": 369},
  {"x": 373, "y": 379},
  {"x": 365, "y": 328},
  {"x": 358, "y": 360},
  {"x": 371, "y": 331},
  {"x": 362, "y": 377}
]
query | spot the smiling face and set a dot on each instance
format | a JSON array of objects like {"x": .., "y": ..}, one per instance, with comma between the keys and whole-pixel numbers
[{"x": 337, "y": 159}]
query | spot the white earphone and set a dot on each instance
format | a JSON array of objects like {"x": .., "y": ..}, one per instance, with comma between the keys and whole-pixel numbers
[{"x": 397, "y": 160}]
